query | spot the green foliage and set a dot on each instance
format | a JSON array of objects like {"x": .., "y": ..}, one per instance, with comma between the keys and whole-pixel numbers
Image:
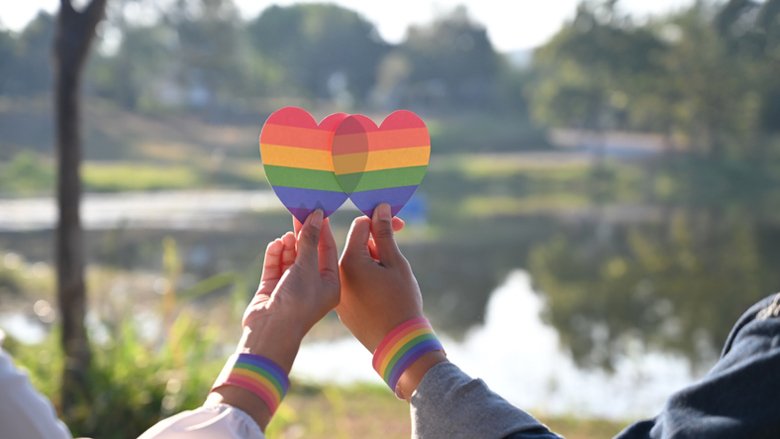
[
  {"x": 110, "y": 177},
  {"x": 134, "y": 382},
  {"x": 703, "y": 76},
  {"x": 323, "y": 49},
  {"x": 453, "y": 61},
  {"x": 26, "y": 67},
  {"x": 26, "y": 174}
]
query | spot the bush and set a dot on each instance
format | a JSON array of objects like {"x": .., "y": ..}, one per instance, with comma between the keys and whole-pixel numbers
[{"x": 132, "y": 383}]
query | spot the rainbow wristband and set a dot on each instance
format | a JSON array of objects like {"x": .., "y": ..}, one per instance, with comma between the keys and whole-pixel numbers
[
  {"x": 403, "y": 346},
  {"x": 258, "y": 375}
]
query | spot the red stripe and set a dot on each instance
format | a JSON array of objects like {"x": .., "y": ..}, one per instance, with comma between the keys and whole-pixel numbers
[{"x": 380, "y": 140}]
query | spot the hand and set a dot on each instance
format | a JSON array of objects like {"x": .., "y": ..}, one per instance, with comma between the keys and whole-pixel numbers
[
  {"x": 379, "y": 290},
  {"x": 300, "y": 281},
  {"x": 298, "y": 286}
]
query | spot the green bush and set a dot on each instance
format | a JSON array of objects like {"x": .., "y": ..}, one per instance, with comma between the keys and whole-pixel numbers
[
  {"x": 26, "y": 174},
  {"x": 132, "y": 383}
]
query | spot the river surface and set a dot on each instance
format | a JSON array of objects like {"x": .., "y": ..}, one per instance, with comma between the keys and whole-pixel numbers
[{"x": 521, "y": 357}]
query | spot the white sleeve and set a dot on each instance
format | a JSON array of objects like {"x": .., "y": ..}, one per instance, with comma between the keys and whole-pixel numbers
[
  {"x": 221, "y": 421},
  {"x": 25, "y": 413}
]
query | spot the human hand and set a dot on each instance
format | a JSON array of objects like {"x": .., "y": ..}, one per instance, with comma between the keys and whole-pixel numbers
[
  {"x": 299, "y": 285},
  {"x": 379, "y": 290}
]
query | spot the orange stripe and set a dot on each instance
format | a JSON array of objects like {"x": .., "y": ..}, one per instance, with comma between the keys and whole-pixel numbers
[
  {"x": 297, "y": 137},
  {"x": 379, "y": 140},
  {"x": 291, "y": 157},
  {"x": 398, "y": 346},
  {"x": 383, "y": 159}
]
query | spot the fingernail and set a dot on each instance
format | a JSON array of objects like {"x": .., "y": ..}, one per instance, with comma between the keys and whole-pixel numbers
[
  {"x": 383, "y": 211},
  {"x": 316, "y": 218}
]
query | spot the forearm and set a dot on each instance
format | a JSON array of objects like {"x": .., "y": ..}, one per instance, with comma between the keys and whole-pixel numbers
[{"x": 449, "y": 404}]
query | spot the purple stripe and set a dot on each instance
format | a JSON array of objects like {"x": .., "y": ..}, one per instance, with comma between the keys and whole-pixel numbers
[
  {"x": 410, "y": 357},
  {"x": 268, "y": 365},
  {"x": 396, "y": 197},
  {"x": 302, "y": 202}
]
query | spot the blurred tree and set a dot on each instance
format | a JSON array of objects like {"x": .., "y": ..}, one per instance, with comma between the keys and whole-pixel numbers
[
  {"x": 8, "y": 55},
  {"x": 451, "y": 61},
  {"x": 705, "y": 76},
  {"x": 594, "y": 70},
  {"x": 323, "y": 49},
  {"x": 74, "y": 35},
  {"x": 208, "y": 49},
  {"x": 135, "y": 75},
  {"x": 26, "y": 57}
]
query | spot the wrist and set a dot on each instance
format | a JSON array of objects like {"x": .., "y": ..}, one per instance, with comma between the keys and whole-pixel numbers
[
  {"x": 274, "y": 338},
  {"x": 408, "y": 352},
  {"x": 252, "y": 383},
  {"x": 413, "y": 376}
]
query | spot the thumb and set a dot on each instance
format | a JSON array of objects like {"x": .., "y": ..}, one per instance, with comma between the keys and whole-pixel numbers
[
  {"x": 309, "y": 238},
  {"x": 357, "y": 238},
  {"x": 382, "y": 231}
]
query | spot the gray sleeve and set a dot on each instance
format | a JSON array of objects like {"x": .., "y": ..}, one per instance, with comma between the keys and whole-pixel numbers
[{"x": 450, "y": 404}]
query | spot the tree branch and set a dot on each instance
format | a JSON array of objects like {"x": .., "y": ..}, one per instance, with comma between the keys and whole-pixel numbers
[
  {"x": 67, "y": 8},
  {"x": 95, "y": 10}
]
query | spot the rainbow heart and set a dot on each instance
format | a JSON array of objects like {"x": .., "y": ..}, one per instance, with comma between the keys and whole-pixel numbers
[
  {"x": 296, "y": 154},
  {"x": 383, "y": 164}
]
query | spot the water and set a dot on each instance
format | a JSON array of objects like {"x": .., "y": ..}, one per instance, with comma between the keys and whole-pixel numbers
[
  {"x": 521, "y": 357},
  {"x": 166, "y": 209}
]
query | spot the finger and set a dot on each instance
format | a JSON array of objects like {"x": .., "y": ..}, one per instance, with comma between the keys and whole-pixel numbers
[
  {"x": 272, "y": 267},
  {"x": 309, "y": 239},
  {"x": 296, "y": 226},
  {"x": 398, "y": 224},
  {"x": 357, "y": 238},
  {"x": 382, "y": 232},
  {"x": 288, "y": 253},
  {"x": 327, "y": 251},
  {"x": 372, "y": 249}
]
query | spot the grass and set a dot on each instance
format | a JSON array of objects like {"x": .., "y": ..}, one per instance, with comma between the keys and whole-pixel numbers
[{"x": 112, "y": 177}]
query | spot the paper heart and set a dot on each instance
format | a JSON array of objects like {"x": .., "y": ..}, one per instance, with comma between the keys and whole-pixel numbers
[
  {"x": 296, "y": 154},
  {"x": 383, "y": 164}
]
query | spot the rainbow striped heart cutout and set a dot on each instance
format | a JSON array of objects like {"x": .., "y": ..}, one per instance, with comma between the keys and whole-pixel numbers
[
  {"x": 296, "y": 155},
  {"x": 311, "y": 166},
  {"x": 381, "y": 164}
]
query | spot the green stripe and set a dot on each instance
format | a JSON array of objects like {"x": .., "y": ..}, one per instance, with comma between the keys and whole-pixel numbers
[
  {"x": 302, "y": 178},
  {"x": 386, "y": 178},
  {"x": 263, "y": 372},
  {"x": 412, "y": 343}
]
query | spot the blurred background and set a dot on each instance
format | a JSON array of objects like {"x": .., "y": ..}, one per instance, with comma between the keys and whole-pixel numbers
[{"x": 601, "y": 205}]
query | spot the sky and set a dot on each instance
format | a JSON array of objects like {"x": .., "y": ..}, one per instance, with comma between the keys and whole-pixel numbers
[{"x": 512, "y": 24}]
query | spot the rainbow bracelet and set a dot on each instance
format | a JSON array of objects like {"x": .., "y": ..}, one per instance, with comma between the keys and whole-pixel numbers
[
  {"x": 258, "y": 375},
  {"x": 403, "y": 346}
]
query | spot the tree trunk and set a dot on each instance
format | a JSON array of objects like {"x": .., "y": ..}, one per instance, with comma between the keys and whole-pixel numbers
[{"x": 75, "y": 32}]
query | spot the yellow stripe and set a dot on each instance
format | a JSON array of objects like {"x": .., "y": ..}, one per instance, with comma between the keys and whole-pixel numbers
[
  {"x": 292, "y": 157},
  {"x": 382, "y": 159},
  {"x": 400, "y": 344}
]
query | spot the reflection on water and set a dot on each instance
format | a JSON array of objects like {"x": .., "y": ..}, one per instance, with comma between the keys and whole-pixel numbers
[
  {"x": 521, "y": 357},
  {"x": 678, "y": 285}
]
